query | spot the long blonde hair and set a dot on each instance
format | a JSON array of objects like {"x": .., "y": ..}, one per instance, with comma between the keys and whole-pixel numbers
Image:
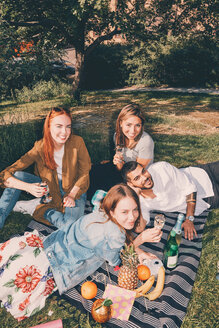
[
  {"x": 127, "y": 111},
  {"x": 113, "y": 197},
  {"x": 48, "y": 144}
]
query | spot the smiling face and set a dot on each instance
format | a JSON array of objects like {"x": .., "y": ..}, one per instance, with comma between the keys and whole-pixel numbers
[
  {"x": 140, "y": 178},
  {"x": 60, "y": 129},
  {"x": 126, "y": 213},
  {"x": 131, "y": 127}
]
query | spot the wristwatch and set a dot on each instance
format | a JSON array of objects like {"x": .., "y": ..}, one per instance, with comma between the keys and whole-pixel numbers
[{"x": 190, "y": 218}]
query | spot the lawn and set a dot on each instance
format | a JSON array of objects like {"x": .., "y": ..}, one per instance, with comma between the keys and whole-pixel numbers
[{"x": 185, "y": 129}]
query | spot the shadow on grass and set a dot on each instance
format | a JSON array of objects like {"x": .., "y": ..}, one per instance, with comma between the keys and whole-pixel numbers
[
  {"x": 15, "y": 223},
  {"x": 4, "y": 108},
  {"x": 170, "y": 102}
]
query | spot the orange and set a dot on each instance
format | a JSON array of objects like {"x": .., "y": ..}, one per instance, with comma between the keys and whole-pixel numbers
[
  {"x": 89, "y": 290},
  {"x": 143, "y": 272}
]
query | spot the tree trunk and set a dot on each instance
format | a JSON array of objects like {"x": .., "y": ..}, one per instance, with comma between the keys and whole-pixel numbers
[{"x": 77, "y": 84}]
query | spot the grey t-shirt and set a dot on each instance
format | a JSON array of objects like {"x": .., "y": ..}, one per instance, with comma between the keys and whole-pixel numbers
[{"x": 144, "y": 149}]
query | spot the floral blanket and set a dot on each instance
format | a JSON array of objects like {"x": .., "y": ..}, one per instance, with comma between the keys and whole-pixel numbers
[{"x": 25, "y": 276}]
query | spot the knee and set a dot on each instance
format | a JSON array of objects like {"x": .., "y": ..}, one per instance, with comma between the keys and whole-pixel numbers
[{"x": 19, "y": 175}]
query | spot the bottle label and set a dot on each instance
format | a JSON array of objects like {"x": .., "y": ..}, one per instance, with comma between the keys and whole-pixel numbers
[{"x": 172, "y": 261}]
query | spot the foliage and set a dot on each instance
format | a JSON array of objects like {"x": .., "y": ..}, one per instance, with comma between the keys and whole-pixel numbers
[
  {"x": 105, "y": 67},
  {"x": 175, "y": 62},
  {"x": 17, "y": 69},
  {"x": 42, "y": 90},
  {"x": 85, "y": 25}
]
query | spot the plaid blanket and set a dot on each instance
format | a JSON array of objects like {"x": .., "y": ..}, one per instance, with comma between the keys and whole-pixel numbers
[{"x": 170, "y": 308}]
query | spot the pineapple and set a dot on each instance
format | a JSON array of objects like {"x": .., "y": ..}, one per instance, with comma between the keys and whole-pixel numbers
[{"x": 128, "y": 273}]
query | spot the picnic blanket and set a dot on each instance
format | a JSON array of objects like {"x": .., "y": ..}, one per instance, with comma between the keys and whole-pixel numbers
[{"x": 169, "y": 309}]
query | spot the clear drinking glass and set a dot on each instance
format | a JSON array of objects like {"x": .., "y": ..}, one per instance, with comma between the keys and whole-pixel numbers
[
  {"x": 119, "y": 151},
  {"x": 159, "y": 221}
]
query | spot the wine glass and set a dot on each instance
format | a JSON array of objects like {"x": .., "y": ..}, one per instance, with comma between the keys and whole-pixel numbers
[
  {"x": 119, "y": 151},
  {"x": 159, "y": 221}
]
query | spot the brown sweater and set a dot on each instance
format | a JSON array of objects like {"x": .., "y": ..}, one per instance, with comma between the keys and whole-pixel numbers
[{"x": 76, "y": 165}]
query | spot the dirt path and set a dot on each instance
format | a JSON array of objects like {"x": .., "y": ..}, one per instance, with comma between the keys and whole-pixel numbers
[{"x": 167, "y": 89}]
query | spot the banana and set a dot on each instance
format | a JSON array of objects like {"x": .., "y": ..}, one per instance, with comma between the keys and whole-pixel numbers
[
  {"x": 159, "y": 285},
  {"x": 145, "y": 287}
]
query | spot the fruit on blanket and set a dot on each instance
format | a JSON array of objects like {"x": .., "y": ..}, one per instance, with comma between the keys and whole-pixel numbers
[
  {"x": 128, "y": 273},
  {"x": 89, "y": 290},
  {"x": 159, "y": 285},
  {"x": 101, "y": 310},
  {"x": 145, "y": 287},
  {"x": 143, "y": 272}
]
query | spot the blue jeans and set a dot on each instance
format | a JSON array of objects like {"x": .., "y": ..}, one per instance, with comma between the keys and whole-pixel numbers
[
  {"x": 10, "y": 196},
  {"x": 71, "y": 214}
]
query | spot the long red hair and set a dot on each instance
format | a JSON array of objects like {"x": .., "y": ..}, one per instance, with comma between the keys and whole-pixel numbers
[{"x": 48, "y": 144}]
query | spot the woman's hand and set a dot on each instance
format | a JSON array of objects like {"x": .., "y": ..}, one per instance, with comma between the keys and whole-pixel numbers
[
  {"x": 118, "y": 159},
  {"x": 152, "y": 235},
  {"x": 69, "y": 201},
  {"x": 144, "y": 255},
  {"x": 36, "y": 190}
]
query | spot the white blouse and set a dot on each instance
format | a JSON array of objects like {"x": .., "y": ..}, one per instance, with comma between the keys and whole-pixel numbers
[{"x": 58, "y": 156}]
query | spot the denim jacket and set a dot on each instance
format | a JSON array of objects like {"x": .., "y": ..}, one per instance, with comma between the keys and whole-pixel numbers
[{"x": 77, "y": 250}]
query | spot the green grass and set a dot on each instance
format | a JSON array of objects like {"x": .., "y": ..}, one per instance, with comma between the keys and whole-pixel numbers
[{"x": 184, "y": 128}]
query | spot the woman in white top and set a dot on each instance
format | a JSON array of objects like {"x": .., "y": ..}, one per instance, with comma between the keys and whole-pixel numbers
[{"x": 132, "y": 143}]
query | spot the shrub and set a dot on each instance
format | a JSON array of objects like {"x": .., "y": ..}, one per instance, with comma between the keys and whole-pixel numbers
[
  {"x": 42, "y": 90},
  {"x": 173, "y": 61}
]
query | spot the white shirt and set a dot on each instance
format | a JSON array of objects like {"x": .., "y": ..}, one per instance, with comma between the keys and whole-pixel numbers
[
  {"x": 58, "y": 156},
  {"x": 172, "y": 185}
]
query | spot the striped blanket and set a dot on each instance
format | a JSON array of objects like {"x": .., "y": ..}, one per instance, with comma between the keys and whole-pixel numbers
[{"x": 169, "y": 309}]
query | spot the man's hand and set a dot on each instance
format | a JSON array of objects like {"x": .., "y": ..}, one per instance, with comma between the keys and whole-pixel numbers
[{"x": 189, "y": 229}]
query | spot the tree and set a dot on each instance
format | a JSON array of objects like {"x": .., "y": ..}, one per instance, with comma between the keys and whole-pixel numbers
[{"x": 84, "y": 24}]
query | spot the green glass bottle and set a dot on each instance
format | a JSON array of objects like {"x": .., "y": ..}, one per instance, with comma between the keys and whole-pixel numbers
[{"x": 171, "y": 251}]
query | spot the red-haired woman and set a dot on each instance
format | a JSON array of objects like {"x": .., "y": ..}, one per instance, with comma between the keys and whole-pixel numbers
[{"x": 62, "y": 163}]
